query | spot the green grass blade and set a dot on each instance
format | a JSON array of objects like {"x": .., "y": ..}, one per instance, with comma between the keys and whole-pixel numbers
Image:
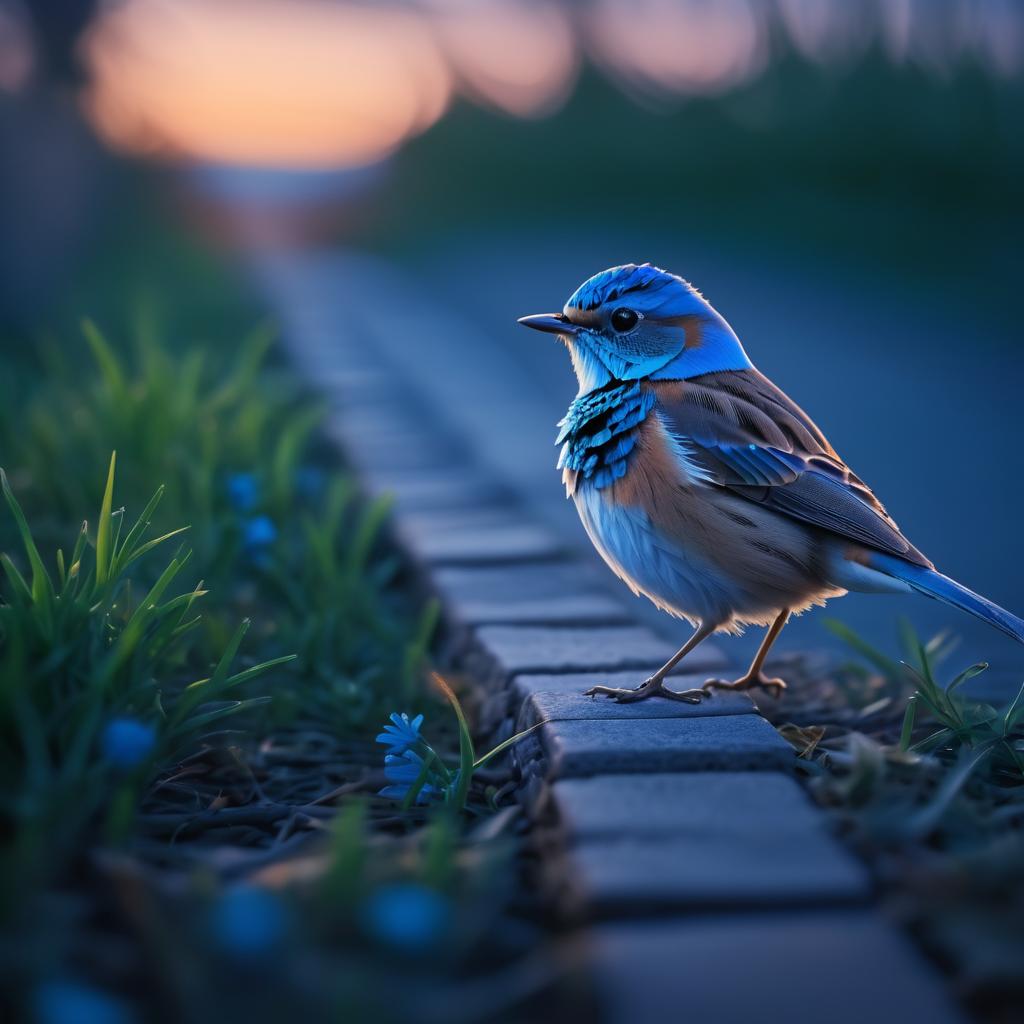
[
  {"x": 108, "y": 363},
  {"x": 42, "y": 586},
  {"x": 149, "y": 545},
  {"x": 925, "y": 820},
  {"x": 204, "y": 718},
  {"x": 347, "y": 855},
  {"x": 886, "y": 665},
  {"x": 148, "y": 608},
  {"x": 18, "y": 582},
  {"x": 104, "y": 553},
  {"x": 907, "y": 732},
  {"x": 367, "y": 532},
  {"x": 241, "y": 677},
  {"x": 418, "y": 783},
  {"x": 467, "y": 756},
  {"x": 140, "y": 526},
  {"x": 967, "y": 674},
  {"x": 505, "y": 744},
  {"x": 79, "y": 550},
  {"x": 204, "y": 690},
  {"x": 416, "y": 649},
  {"x": 1015, "y": 708}
]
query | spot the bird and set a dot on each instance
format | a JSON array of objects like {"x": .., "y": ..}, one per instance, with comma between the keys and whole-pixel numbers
[{"x": 706, "y": 488}]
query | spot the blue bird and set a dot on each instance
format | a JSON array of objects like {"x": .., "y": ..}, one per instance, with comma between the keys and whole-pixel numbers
[{"x": 705, "y": 487}]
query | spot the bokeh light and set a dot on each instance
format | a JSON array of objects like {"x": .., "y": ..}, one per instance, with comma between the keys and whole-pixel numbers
[
  {"x": 519, "y": 57},
  {"x": 677, "y": 46},
  {"x": 296, "y": 83},
  {"x": 16, "y": 57}
]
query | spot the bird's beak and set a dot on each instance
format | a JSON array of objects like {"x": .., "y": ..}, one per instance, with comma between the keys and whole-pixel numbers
[{"x": 550, "y": 323}]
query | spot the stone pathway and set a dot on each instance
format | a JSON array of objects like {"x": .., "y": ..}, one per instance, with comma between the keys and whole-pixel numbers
[{"x": 710, "y": 887}]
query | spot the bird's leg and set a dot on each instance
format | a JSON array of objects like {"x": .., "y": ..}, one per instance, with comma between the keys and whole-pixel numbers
[
  {"x": 654, "y": 686},
  {"x": 754, "y": 676}
]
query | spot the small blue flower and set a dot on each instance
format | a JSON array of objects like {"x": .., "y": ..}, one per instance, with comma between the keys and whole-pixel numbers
[
  {"x": 406, "y": 916},
  {"x": 402, "y": 734},
  {"x": 249, "y": 922},
  {"x": 258, "y": 533},
  {"x": 402, "y": 771},
  {"x": 243, "y": 490},
  {"x": 127, "y": 742},
  {"x": 61, "y": 1001}
]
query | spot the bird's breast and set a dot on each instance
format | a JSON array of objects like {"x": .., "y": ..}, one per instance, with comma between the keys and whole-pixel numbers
[
  {"x": 600, "y": 432},
  {"x": 691, "y": 547},
  {"x": 623, "y": 518}
]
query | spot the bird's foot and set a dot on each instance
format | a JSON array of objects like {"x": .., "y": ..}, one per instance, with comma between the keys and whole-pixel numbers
[
  {"x": 747, "y": 682},
  {"x": 653, "y": 687}
]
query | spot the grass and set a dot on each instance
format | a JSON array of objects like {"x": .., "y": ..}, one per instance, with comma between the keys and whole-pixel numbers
[
  {"x": 231, "y": 439},
  {"x": 928, "y": 783},
  {"x": 84, "y": 647},
  {"x": 176, "y": 719}
]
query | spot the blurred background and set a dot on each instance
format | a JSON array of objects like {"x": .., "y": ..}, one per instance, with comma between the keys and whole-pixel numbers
[{"x": 841, "y": 178}]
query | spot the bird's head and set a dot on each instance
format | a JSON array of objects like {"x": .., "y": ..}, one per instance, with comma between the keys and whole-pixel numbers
[{"x": 636, "y": 322}]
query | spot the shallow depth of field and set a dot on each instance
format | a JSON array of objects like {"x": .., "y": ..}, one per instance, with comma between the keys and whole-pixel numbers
[{"x": 242, "y": 776}]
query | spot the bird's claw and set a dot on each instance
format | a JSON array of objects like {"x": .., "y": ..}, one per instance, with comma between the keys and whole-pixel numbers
[
  {"x": 746, "y": 683},
  {"x": 649, "y": 688}
]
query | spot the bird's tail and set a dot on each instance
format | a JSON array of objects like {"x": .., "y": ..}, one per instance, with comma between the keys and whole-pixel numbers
[{"x": 942, "y": 588}]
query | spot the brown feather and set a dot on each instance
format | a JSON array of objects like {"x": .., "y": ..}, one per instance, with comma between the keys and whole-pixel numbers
[{"x": 754, "y": 411}]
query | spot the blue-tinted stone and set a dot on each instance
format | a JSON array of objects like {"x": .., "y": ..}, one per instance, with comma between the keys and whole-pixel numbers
[
  {"x": 844, "y": 967},
  {"x": 700, "y": 839},
  {"x": 712, "y": 743},
  {"x": 528, "y": 649}
]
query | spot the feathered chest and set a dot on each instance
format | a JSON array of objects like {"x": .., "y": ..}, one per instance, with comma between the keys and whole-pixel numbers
[{"x": 599, "y": 432}]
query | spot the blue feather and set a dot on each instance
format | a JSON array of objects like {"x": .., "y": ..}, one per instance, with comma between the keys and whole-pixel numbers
[
  {"x": 598, "y": 432},
  {"x": 942, "y": 588},
  {"x": 622, "y": 448}
]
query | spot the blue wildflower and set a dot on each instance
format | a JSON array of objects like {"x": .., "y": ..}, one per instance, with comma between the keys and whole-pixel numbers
[
  {"x": 249, "y": 922},
  {"x": 402, "y": 734},
  {"x": 243, "y": 490},
  {"x": 406, "y": 916},
  {"x": 258, "y": 533},
  {"x": 127, "y": 742},
  {"x": 402, "y": 771},
  {"x": 62, "y": 1001}
]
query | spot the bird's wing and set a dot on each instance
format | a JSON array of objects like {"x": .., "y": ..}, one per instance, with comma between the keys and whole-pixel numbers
[{"x": 746, "y": 435}]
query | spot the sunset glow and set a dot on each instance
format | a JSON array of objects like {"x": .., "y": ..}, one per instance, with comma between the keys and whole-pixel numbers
[
  {"x": 297, "y": 83},
  {"x": 317, "y": 84},
  {"x": 519, "y": 57},
  {"x": 677, "y": 46}
]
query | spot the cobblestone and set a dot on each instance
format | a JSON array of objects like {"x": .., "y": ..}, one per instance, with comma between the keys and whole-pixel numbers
[
  {"x": 528, "y": 649},
  {"x": 711, "y": 743},
  {"x": 649, "y": 842},
  {"x": 845, "y": 967}
]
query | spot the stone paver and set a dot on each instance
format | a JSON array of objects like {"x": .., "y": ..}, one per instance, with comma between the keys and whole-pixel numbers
[
  {"x": 843, "y": 967},
  {"x": 656, "y": 809},
  {"x": 584, "y": 609},
  {"x": 396, "y": 450},
  {"x": 696, "y": 744},
  {"x": 547, "y": 594},
  {"x": 486, "y": 538},
  {"x": 528, "y": 649},
  {"x": 431, "y": 490},
  {"x": 724, "y": 839},
  {"x": 560, "y": 698}
]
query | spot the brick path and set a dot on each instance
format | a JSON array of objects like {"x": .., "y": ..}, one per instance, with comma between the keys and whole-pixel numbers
[{"x": 711, "y": 888}]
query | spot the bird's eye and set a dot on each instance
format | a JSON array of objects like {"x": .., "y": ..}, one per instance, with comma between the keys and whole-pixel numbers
[{"x": 624, "y": 319}]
